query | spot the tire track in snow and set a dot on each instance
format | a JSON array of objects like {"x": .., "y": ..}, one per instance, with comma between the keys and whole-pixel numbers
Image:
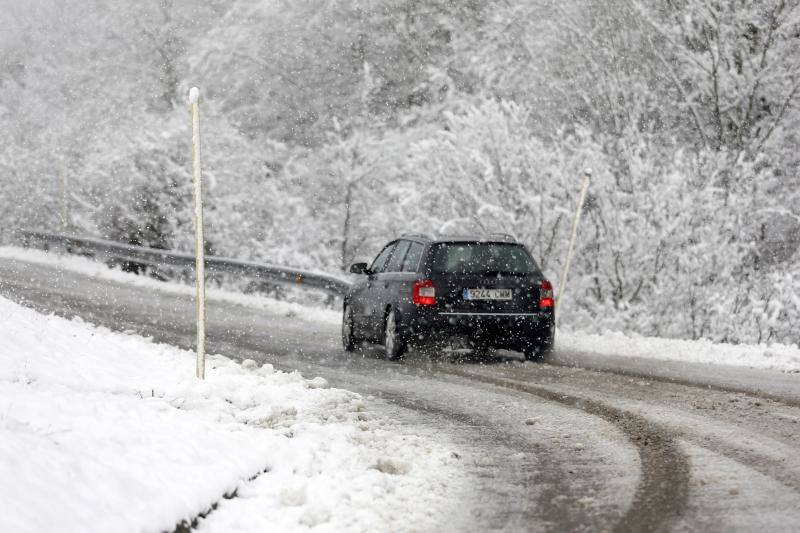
[
  {"x": 759, "y": 445},
  {"x": 564, "y": 512},
  {"x": 663, "y": 491},
  {"x": 695, "y": 381}
]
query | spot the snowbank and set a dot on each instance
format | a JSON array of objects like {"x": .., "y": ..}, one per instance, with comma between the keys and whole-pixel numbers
[
  {"x": 92, "y": 268},
  {"x": 763, "y": 356},
  {"x": 101, "y": 431}
]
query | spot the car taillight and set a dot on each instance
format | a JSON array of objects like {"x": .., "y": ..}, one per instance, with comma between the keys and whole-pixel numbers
[
  {"x": 545, "y": 294},
  {"x": 424, "y": 293}
]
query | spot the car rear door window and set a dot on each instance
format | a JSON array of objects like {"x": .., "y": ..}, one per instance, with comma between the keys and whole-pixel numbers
[
  {"x": 411, "y": 262},
  {"x": 380, "y": 262},
  {"x": 396, "y": 262}
]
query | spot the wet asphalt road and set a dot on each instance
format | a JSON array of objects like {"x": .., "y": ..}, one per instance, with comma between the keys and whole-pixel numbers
[{"x": 580, "y": 443}]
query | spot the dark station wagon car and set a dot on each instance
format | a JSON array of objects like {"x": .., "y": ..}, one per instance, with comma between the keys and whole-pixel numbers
[{"x": 485, "y": 291}]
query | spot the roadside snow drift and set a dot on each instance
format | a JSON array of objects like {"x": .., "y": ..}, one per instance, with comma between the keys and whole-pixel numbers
[
  {"x": 101, "y": 431},
  {"x": 781, "y": 357}
]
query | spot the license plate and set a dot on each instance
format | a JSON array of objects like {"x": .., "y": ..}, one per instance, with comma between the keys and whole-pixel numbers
[{"x": 487, "y": 294}]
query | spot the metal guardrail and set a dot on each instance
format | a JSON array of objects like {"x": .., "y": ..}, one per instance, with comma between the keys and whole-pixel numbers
[{"x": 102, "y": 249}]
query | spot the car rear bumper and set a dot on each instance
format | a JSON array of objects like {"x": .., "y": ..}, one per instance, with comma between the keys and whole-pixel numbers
[{"x": 501, "y": 330}]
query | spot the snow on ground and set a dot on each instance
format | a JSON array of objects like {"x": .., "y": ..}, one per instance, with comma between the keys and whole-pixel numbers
[
  {"x": 96, "y": 269},
  {"x": 102, "y": 431},
  {"x": 763, "y": 356}
]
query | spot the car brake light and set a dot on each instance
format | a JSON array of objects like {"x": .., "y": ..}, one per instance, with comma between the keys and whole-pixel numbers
[
  {"x": 424, "y": 293},
  {"x": 545, "y": 294}
]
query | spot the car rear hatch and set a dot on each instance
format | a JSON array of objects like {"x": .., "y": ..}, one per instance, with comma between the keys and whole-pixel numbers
[
  {"x": 487, "y": 293},
  {"x": 484, "y": 277}
]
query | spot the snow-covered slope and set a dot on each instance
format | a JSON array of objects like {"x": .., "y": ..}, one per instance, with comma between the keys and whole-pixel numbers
[{"x": 101, "y": 431}]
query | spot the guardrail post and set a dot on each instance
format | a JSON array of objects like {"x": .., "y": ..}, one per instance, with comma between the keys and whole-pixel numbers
[
  {"x": 199, "y": 237},
  {"x": 587, "y": 176}
]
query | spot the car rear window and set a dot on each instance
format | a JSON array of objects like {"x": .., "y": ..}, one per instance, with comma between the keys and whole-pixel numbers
[{"x": 482, "y": 258}]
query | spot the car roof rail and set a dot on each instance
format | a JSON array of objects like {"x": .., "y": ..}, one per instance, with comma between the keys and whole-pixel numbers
[
  {"x": 426, "y": 236},
  {"x": 504, "y": 236}
]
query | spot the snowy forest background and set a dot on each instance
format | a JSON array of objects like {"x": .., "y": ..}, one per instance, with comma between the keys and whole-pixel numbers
[{"x": 330, "y": 126}]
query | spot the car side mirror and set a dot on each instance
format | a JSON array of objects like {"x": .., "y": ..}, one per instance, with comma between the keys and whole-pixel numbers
[{"x": 359, "y": 268}]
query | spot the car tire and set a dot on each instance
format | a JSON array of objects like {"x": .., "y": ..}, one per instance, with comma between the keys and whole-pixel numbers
[
  {"x": 392, "y": 341},
  {"x": 538, "y": 349},
  {"x": 534, "y": 353},
  {"x": 481, "y": 352},
  {"x": 349, "y": 340}
]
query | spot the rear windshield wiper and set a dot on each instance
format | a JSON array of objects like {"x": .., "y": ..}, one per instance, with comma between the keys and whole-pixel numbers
[{"x": 503, "y": 273}]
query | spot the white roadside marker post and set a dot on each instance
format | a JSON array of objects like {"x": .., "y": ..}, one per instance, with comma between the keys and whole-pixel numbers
[
  {"x": 199, "y": 237},
  {"x": 587, "y": 177}
]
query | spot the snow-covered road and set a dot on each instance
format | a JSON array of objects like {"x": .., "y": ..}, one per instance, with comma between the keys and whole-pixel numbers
[{"x": 597, "y": 446}]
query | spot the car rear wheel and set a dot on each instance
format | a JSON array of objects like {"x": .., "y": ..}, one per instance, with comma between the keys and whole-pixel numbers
[
  {"x": 538, "y": 349},
  {"x": 392, "y": 341},
  {"x": 349, "y": 340},
  {"x": 534, "y": 353}
]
